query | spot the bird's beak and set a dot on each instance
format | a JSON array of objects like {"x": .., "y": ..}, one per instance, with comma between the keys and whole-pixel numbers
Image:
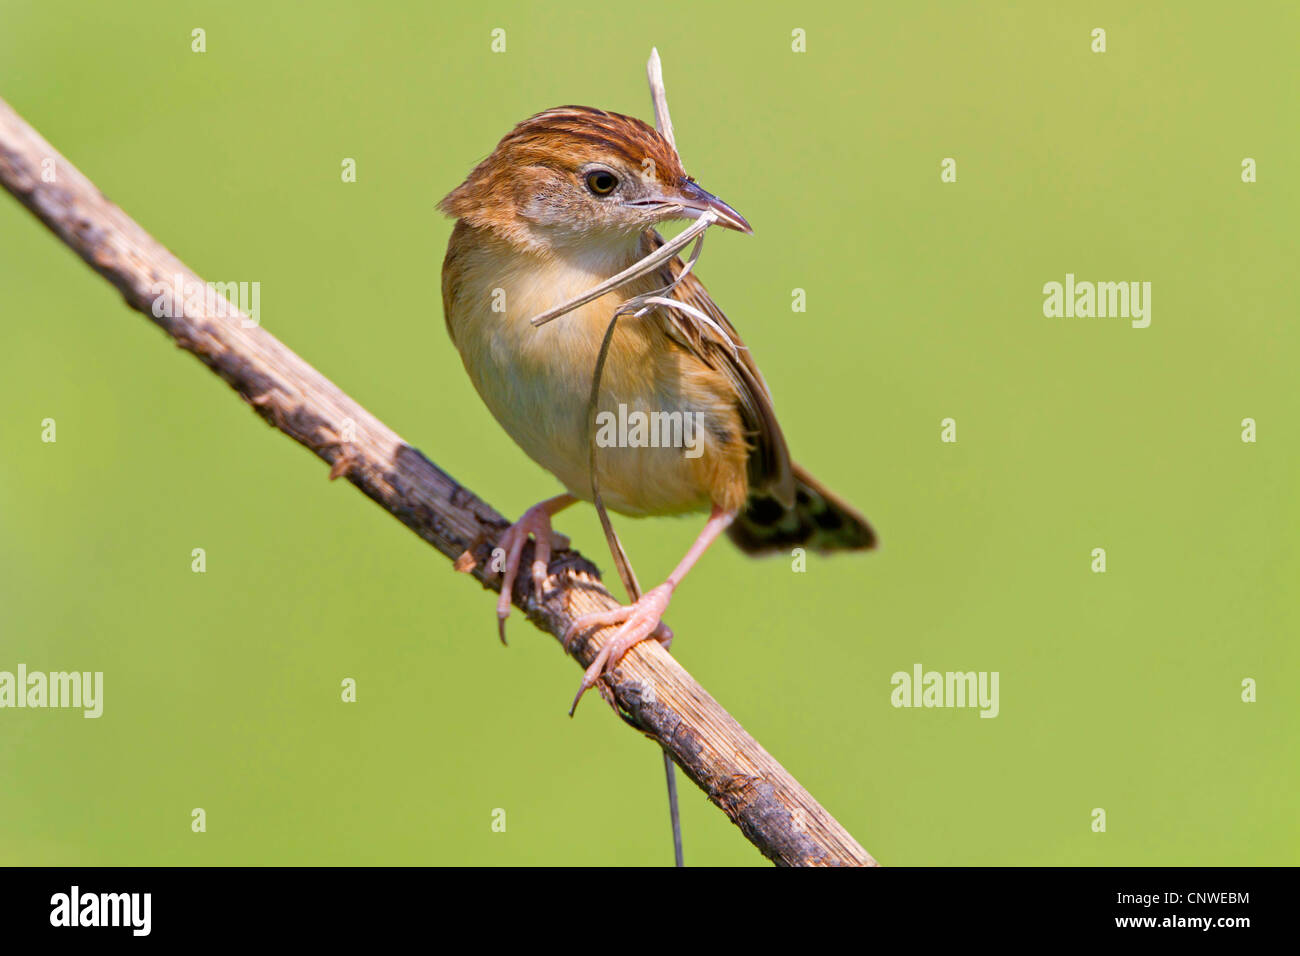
[{"x": 694, "y": 201}]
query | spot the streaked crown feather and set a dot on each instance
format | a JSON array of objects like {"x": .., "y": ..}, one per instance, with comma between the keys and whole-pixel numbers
[{"x": 564, "y": 138}]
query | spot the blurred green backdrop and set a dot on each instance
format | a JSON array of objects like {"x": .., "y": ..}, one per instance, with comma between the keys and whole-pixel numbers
[{"x": 1118, "y": 690}]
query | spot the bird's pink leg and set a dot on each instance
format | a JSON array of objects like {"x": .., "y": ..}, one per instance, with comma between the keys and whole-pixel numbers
[
  {"x": 537, "y": 522},
  {"x": 644, "y": 618}
]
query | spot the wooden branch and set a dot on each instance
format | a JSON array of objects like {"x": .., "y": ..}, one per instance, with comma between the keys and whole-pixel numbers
[{"x": 649, "y": 688}]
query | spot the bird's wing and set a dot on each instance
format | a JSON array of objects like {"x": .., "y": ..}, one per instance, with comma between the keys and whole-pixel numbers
[{"x": 769, "y": 458}]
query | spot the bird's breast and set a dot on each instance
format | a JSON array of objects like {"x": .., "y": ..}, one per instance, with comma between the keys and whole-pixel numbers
[{"x": 666, "y": 417}]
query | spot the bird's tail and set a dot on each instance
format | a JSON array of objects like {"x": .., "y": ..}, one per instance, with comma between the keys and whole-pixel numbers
[{"x": 818, "y": 520}]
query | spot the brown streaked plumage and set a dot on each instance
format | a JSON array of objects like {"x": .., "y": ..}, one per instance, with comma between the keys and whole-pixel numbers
[
  {"x": 569, "y": 198},
  {"x": 501, "y": 190}
]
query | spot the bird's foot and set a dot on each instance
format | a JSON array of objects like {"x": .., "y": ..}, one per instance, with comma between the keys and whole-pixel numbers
[
  {"x": 536, "y": 521},
  {"x": 639, "y": 621}
]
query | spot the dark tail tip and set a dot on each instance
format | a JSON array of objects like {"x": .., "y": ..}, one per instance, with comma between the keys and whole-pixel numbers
[{"x": 819, "y": 520}]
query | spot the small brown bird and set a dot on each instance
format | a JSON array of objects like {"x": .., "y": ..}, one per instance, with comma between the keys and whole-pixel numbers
[{"x": 569, "y": 198}]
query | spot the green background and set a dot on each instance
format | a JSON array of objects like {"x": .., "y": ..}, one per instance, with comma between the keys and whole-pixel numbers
[{"x": 1118, "y": 690}]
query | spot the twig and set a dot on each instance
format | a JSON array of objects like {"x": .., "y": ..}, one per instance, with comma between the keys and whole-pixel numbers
[
  {"x": 653, "y": 692},
  {"x": 637, "y": 269},
  {"x": 664, "y": 123}
]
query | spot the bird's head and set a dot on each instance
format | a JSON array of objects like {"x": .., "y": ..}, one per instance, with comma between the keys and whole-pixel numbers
[{"x": 575, "y": 175}]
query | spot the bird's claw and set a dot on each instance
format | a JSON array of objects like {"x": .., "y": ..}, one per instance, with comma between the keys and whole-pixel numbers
[
  {"x": 638, "y": 621},
  {"x": 536, "y": 521}
]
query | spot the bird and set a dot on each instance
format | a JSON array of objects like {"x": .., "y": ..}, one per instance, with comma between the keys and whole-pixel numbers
[{"x": 569, "y": 198}]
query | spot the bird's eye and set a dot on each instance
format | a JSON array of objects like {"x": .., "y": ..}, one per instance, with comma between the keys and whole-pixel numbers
[{"x": 601, "y": 182}]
